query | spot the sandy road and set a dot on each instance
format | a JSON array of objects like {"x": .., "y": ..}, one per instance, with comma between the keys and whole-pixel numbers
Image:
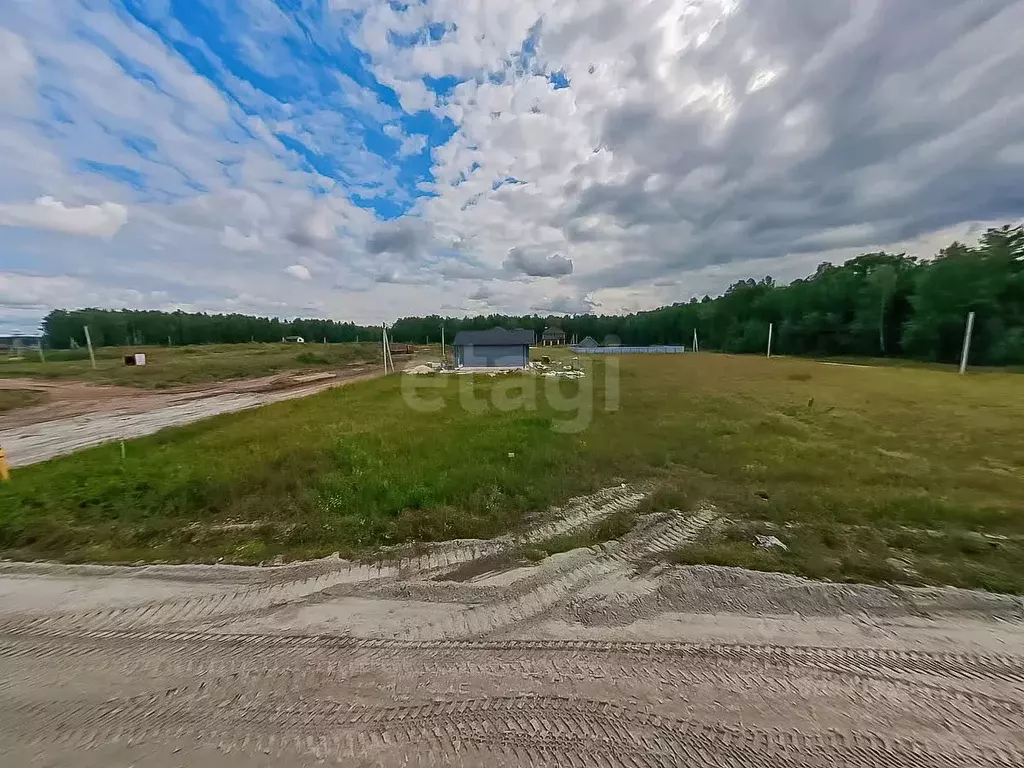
[
  {"x": 78, "y": 416},
  {"x": 584, "y": 659}
]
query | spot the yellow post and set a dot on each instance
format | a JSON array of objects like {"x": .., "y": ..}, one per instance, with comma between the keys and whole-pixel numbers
[{"x": 5, "y": 472}]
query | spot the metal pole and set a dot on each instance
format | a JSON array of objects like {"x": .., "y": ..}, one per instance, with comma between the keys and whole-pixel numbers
[
  {"x": 442, "y": 345},
  {"x": 695, "y": 347},
  {"x": 88, "y": 341},
  {"x": 384, "y": 346},
  {"x": 967, "y": 343},
  {"x": 771, "y": 326},
  {"x": 42, "y": 357}
]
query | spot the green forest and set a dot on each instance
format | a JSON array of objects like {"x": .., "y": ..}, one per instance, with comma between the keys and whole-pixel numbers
[
  {"x": 878, "y": 304},
  {"x": 113, "y": 328}
]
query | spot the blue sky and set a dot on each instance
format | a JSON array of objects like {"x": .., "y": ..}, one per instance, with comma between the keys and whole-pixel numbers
[{"x": 365, "y": 160}]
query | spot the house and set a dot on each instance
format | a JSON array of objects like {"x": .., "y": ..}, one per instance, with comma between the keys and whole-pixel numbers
[
  {"x": 589, "y": 342},
  {"x": 496, "y": 348},
  {"x": 293, "y": 340},
  {"x": 552, "y": 337},
  {"x": 611, "y": 340}
]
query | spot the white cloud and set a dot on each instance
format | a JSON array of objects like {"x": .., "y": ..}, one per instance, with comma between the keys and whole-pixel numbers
[
  {"x": 17, "y": 71},
  {"x": 236, "y": 241},
  {"x": 413, "y": 145},
  {"x": 535, "y": 263},
  {"x": 565, "y": 305},
  {"x": 104, "y": 220},
  {"x": 299, "y": 272},
  {"x": 698, "y": 141}
]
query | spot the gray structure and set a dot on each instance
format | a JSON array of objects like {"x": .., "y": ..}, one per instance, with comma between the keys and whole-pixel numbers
[
  {"x": 588, "y": 343},
  {"x": 496, "y": 348},
  {"x": 552, "y": 337}
]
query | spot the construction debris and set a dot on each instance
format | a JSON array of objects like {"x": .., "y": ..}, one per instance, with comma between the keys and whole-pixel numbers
[
  {"x": 419, "y": 370},
  {"x": 557, "y": 369}
]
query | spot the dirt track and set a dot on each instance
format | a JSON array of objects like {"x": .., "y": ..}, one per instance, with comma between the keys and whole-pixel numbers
[
  {"x": 78, "y": 415},
  {"x": 433, "y": 659}
]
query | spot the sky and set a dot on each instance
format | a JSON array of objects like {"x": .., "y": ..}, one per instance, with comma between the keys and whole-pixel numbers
[{"x": 366, "y": 160}]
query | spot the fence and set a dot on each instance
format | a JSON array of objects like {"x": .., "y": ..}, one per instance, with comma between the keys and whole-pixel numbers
[{"x": 655, "y": 350}]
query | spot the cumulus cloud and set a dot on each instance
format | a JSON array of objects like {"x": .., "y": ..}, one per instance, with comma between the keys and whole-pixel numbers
[
  {"x": 104, "y": 220},
  {"x": 314, "y": 228},
  {"x": 670, "y": 147},
  {"x": 482, "y": 293},
  {"x": 299, "y": 272},
  {"x": 407, "y": 238},
  {"x": 534, "y": 263},
  {"x": 565, "y": 305}
]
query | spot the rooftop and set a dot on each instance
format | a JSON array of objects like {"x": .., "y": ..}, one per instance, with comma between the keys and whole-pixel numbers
[{"x": 495, "y": 337}]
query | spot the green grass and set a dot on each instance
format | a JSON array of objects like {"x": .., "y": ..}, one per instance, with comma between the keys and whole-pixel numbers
[
  {"x": 609, "y": 529},
  {"x": 19, "y": 398},
  {"x": 879, "y": 474},
  {"x": 179, "y": 366}
]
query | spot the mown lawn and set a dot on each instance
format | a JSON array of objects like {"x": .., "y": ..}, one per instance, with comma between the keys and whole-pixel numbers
[
  {"x": 880, "y": 474},
  {"x": 176, "y": 366}
]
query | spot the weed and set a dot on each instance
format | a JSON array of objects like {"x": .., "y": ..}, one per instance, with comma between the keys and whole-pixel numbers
[
  {"x": 310, "y": 358},
  {"x": 19, "y": 398},
  {"x": 891, "y": 465}
]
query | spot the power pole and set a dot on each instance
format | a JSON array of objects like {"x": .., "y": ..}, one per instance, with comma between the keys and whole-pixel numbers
[
  {"x": 88, "y": 341},
  {"x": 967, "y": 343},
  {"x": 771, "y": 326},
  {"x": 695, "y": 347}
]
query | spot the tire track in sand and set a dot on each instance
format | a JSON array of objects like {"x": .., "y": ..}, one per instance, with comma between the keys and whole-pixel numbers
[
  {"x": 580, "y": 512},
  {"x": 549, "y": 725}
]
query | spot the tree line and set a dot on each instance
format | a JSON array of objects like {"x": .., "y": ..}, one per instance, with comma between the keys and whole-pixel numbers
[
  {"x": 108, "y": 328},
  {"x": 877, "y": 304}
]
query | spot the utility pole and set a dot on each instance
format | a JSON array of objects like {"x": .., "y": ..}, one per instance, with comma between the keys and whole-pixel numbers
[
  {"x": 771, "y": 326},
  {"x": 88, "y": 341},
  {"x": 42, "y": 357},
  {"x": 442, "y": 345},
  {"x": 967, "y": 343},
  {"x": 695, "y": 347}
]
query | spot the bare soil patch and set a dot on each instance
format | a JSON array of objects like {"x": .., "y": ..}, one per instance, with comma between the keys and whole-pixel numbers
[{"x": 582, "y": 662}]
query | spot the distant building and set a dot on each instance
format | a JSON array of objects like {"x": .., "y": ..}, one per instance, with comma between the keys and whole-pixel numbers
[
  {"x": 552, "y": 337},
  {"x": 611, "y": 340},
  {"x": 293, "y": 340},
  {"x": 589, "y": 342},
  {"x": 496, "y": 348}
]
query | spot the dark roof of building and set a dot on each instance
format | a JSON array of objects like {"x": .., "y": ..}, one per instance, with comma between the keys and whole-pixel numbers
[
  {"x": 496, "y": 337},
  {"x": 553, "y": 331},
  {"x": 590, "y": 341}
]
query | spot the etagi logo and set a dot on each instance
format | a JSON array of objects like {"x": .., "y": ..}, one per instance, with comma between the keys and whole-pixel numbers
[{"x": 573, "y": 396}]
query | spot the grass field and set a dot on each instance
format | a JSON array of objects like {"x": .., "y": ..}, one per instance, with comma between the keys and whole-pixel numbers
[
  {"x": 177, "y": 366},
  {"x": 879, "y": 474},
  {"x": 18, "y": 398}
]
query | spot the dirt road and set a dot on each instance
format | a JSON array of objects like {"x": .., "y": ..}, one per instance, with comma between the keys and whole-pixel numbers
[
  {"x": 78, "y": 415},
  {"x": 458, "y": 657}
]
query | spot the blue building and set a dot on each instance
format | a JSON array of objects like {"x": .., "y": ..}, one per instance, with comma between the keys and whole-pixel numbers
[{"x": 496, "y": 348}]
